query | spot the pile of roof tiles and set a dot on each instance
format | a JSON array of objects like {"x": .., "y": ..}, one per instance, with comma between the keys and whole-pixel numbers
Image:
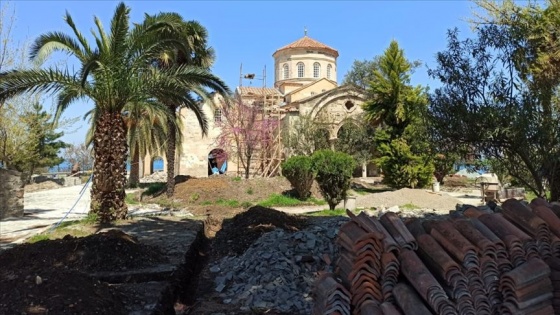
[{"x": 473, "y": 262}]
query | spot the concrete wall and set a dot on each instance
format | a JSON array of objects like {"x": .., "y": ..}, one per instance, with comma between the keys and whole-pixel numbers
[
  {"x": 196, "y": 147},
  {"x": 11, "y": 194}
]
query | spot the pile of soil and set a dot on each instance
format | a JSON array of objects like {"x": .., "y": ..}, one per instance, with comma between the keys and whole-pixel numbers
[
  {"x": 46, "y": 185},
  {"x": 113, "y": 250},
  {"x": 51, "y": 276},
  {"x": 202, "y": 191},
  {"x": 57, "y": 292},
  {"x": 237, "y": 234}
]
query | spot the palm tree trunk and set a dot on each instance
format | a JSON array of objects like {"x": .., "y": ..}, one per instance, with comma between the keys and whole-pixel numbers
[
  {"x": 109, "y": 170},
  {"x": 170, "y": 154},
  {"x": 134, "y": 178}
]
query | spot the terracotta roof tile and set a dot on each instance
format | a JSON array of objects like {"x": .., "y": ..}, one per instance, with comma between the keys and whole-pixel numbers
[
  {"x": 398, "y": 231},
  {"x": 445, "y": 272},
  {"x": 259, "y": 91},
  {"x": 310, "y": 43},
  {"x": 409, "y": 301}
]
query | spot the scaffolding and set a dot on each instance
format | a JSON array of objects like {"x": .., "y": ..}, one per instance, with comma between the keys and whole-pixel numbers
[{"x": 269, "y": 155}]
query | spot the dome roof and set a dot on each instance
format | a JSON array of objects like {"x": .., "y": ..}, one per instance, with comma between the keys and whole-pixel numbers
[{"x": 308, "y": 42}]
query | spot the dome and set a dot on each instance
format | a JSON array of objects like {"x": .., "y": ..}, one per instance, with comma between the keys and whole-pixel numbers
[{"x": 309, "y": 43}]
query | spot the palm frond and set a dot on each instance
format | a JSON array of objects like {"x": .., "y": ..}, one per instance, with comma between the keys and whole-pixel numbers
[
  {"x": 85, "y": 45},
  {"x": 16, "y": 82},
  {"x": 119, "y": 29},
  {"x": 48, "y": 43}
]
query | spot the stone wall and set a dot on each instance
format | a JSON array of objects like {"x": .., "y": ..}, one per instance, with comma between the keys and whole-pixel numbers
[{"x": 11, "y": 194}]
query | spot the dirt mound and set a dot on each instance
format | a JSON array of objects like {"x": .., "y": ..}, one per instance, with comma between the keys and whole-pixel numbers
[
  {"x": 237, "y": 234},
  {"x": 420, "y": 198},
  {"x": 55, "y": 292},
  {"x": 49, "y": 184},
  {"x": 108, "y": 251},
  {"x": 63, "y": 287}
]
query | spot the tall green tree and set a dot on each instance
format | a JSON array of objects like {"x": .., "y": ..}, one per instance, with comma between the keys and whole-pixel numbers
[
  {"x": 42, "y": 147},
  {"x": 500, "y": 91},
  {"x": 399, "y": 108},
  {"x": 117, "y": 71},
  {"x": 195, "y": 52}
]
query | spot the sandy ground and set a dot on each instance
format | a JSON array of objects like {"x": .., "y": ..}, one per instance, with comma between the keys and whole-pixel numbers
[
  {"x": 42, "y": 209},
  {"x": 48, "y": 207}
]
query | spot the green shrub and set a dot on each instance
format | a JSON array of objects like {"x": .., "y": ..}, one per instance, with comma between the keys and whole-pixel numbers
[
  {"x": 300, "y": 173},
  {"x": 403, "y": 168},
  {"x": 334, "y": 173}
]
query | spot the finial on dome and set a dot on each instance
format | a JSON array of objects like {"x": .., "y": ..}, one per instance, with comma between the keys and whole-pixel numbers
[{"x": 304, "y": 31}]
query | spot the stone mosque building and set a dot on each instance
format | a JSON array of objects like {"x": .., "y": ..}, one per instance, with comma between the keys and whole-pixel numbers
[{"x": 305, "y": 83}]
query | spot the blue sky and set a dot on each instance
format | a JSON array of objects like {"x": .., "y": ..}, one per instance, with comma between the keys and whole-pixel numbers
[{"x": 249, "y": 32}]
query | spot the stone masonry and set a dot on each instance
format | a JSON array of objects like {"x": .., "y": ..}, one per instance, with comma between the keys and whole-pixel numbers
[{"x": 11, "y": 194}]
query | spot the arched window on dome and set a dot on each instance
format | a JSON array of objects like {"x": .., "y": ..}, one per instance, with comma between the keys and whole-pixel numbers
[
  {"x": 300, "y": 70},
  {"x": 316, "y": 70},
  {"x": 329, "y": 70},
  {"x": 286, "y": 71}
]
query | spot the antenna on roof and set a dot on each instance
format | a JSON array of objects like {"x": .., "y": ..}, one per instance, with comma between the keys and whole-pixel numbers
[{"x": 304, "y": 31}]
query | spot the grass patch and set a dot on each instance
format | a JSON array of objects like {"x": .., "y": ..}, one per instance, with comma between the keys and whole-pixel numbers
[
  {"x": 90, "y": 219},
  {"x": 37, "y": 238},
  {"x": 530, "y": 195},
  {"x": 76, "y": 228},
  {"x": 229, "y": 203},
  {"x": 331, "y": 213},
  {"x": 365, "y": 191},
  {"x": 206, "y": 203},
  {"x": 153, "y": 189},
  {"x": 279, "y": 200},
  {"x": 131, "y": 199},
  {"x": 236, "y": 179},
  {"x": 194, "y": 197},
  {"x": 167, "y": 203},
  {"x": 246, "y": 204},
  {"x": 409, "y": 206}
]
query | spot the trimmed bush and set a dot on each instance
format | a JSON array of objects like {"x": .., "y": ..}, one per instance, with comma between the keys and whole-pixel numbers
[
  {"x": 334, "y": 173},
  {"x": 300, "y": 172}
]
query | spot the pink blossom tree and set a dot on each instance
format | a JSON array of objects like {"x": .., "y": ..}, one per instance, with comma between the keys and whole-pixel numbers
[{"x": 246, "y": 130}]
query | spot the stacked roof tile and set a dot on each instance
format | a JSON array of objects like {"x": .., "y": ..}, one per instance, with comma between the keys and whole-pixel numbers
[
  {"x": 474, "y": 262},
  {"x": 335, "y": 298}
]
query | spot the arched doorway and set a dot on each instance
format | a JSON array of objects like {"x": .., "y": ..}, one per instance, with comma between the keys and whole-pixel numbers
[
  {"x": 217, "y": 162},
  {"x": 157, "y": 165}
]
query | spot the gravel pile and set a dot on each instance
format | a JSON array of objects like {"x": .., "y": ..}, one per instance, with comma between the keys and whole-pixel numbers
[
  {"x": 440, "y": 202},
  {"x": 157, "y": 177},
  {"x": 278, "y": 271}
]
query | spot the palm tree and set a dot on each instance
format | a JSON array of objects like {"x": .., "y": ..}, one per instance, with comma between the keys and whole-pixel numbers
[
  {"x": 196, "y": 53},
  {"x": 148, "y": 130},
  {"x": 117, "y": 71},
  {"x": 146, "y": 133}
]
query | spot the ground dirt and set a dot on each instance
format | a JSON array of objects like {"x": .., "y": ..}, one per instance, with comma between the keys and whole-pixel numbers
[
  {"x": 211, "y": 195},
  {"x": 62, "y": 276},
  {"x": 53, "y": 276},
  {"x": 49, "y": 184}
]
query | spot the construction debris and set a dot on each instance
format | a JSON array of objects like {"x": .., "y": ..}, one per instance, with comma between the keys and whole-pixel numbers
[
  {"x": 473, "y": 262},
  {"x": 281, "y": 266}
]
